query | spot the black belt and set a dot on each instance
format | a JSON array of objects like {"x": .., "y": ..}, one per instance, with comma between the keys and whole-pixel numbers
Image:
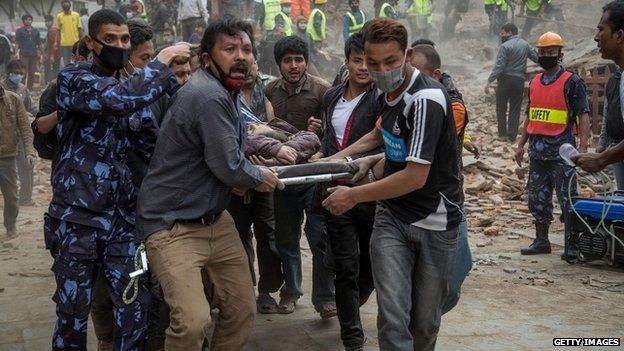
[{"x": 209, "y": 220}]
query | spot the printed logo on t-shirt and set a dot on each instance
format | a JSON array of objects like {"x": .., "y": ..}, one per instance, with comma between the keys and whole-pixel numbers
[
  {"x": 395, "y": 128},
  {"x": 396, "y": 151}
]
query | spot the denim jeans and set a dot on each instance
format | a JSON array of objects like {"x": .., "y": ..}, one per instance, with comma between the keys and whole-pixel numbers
[
  {"x": 290, "y": 205},
  {"x": 411, "y": 270},
  {"x": 66, "y": 52},
  {"x": 618, "y": 169},
  {"x": 462, "y": 264},
  {"x": 349, "y": 236}
]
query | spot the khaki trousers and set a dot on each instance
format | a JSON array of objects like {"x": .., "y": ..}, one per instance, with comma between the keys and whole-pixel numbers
[{"x": 183, "y": 260}]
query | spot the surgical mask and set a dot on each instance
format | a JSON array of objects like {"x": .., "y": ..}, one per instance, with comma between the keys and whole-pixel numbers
[
  {"x": 504, "y": 38},
  {"x": 16, "y": 78},
  {"x": 129, "y": 14},
  {"x": 389, "y": 81},
  {"x": 548, "y": 62},
  {"x": 286, "y": 10},
  {"x": 111, "y": 56}
]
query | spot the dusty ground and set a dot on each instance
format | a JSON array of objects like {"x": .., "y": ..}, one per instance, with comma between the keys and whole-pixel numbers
[{"x": 509, "y": 302}]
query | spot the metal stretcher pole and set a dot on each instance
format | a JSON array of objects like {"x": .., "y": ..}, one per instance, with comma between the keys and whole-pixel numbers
[{"x": 318, "y": 178}]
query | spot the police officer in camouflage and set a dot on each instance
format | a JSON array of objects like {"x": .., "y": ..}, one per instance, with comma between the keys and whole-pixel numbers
[
  {"x": 89, "y": 226},
  {"x": 558, "y": 109}
]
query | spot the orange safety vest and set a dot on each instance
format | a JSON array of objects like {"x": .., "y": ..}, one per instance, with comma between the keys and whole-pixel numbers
[{"x": 548, "y": 112}]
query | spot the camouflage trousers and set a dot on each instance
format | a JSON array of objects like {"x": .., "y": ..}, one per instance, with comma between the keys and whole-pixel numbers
[
  {"x": 544, "y": 176},
  {"x": 80, "y": 253}
]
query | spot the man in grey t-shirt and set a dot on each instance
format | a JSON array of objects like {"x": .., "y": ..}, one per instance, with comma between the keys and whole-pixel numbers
[{"x": 198, "y": 161}]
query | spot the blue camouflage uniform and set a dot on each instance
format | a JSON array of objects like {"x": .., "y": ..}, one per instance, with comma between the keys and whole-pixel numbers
[
  {"x": 547, "y": 170},
  {"x": 89, "y": 226}
]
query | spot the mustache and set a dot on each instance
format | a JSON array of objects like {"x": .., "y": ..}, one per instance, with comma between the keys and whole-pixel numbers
[{"x": 240, "y": 65}]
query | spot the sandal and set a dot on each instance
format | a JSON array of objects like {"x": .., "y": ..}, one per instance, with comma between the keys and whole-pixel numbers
[
  {"x": 265, "y": 304},
  {"x": 328, "y": 311},
  {"x": 287, "y": 305}
]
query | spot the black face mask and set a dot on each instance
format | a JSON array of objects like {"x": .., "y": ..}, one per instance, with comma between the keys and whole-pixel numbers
[
  {"x": 112, "y": 57},
  {"x": 355, "y": 8},
  {"x": 548, "y": 62},
  {"x": 504, "y": 38},
  {"x": 66, "y": 8}
]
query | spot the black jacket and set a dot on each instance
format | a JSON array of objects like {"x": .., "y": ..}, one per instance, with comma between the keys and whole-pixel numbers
[{"x": 364, "y": 117}]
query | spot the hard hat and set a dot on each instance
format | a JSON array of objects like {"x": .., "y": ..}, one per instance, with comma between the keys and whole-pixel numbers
[
  {"x": 319, "y": 2},
  {"x": 285, "y": 2},
  {"x": 549, "y": 39}
]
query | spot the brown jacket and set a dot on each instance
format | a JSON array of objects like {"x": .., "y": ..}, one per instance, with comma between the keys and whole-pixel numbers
[
  {"x": 14, "y": 126},
  {"x": 306, "y": 101}
]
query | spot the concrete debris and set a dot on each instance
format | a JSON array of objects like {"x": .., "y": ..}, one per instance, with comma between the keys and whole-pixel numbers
[{"x": 491, "y": 231}]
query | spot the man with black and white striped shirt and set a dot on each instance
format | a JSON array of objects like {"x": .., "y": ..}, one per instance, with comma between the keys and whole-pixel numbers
[{"x": 416, "y": 223}]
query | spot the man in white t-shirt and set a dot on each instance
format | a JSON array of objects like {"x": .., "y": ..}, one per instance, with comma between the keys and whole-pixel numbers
[{"x": 351, "y": 110}]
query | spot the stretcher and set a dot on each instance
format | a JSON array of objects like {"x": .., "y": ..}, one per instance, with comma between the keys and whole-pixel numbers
[{"x": 317, "y": 172}]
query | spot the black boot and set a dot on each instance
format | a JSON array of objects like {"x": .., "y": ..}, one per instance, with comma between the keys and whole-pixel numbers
[{"x": 540, "y": 245}]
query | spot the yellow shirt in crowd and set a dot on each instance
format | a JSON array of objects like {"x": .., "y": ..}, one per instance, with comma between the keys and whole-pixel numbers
[{"x": 68, "y": 25}]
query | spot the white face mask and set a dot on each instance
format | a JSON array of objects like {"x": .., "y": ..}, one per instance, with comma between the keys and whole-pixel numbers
[{"x": 389, "y": 81}]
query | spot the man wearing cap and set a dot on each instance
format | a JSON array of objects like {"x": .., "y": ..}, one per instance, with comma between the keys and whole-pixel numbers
[{"x": 558, "y": 111}]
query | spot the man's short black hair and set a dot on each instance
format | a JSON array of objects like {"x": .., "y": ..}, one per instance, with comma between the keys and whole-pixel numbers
[
  {"x": 102, "y": 17},
  {"x": 616, "y": 14},
  {"x": 510, "y": 28},
  {"x": 431, "y": 55},
  {"x": 84, "y": 11},
  {"x": 229, "y": 26},
  {"x": 15, "y": 64},
  {"x": 290, "y": 45},
  {"x": 354, "y": 44},
  {"x": 80, "y": 48},
  {"x": 140, "y": 33},
  {"x": 423, "y": 41},
  {"x": 27, "y": 16}
]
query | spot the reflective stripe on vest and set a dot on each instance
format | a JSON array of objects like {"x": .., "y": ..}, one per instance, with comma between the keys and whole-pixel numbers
[
  {"x": 355, "y": 26},
  {"x": 548, "y": 112},
  {"x": 271, "y": 9},
  {"x": 288, "y": 30},
  {"x": 420, "y": 7},
  {"x": 382, "y": 11},
  {"x": 323, "y": 34}
]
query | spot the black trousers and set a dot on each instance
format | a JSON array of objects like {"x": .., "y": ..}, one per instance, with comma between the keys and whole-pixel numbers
[
  {"x": 509, "y": 92},
  {"x": 349, "y": 236},
  {"x": 257, "y": 209}
]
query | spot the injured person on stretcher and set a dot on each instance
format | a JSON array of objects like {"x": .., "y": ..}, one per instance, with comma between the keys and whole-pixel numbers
[{"x": 278, "y": 143}]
